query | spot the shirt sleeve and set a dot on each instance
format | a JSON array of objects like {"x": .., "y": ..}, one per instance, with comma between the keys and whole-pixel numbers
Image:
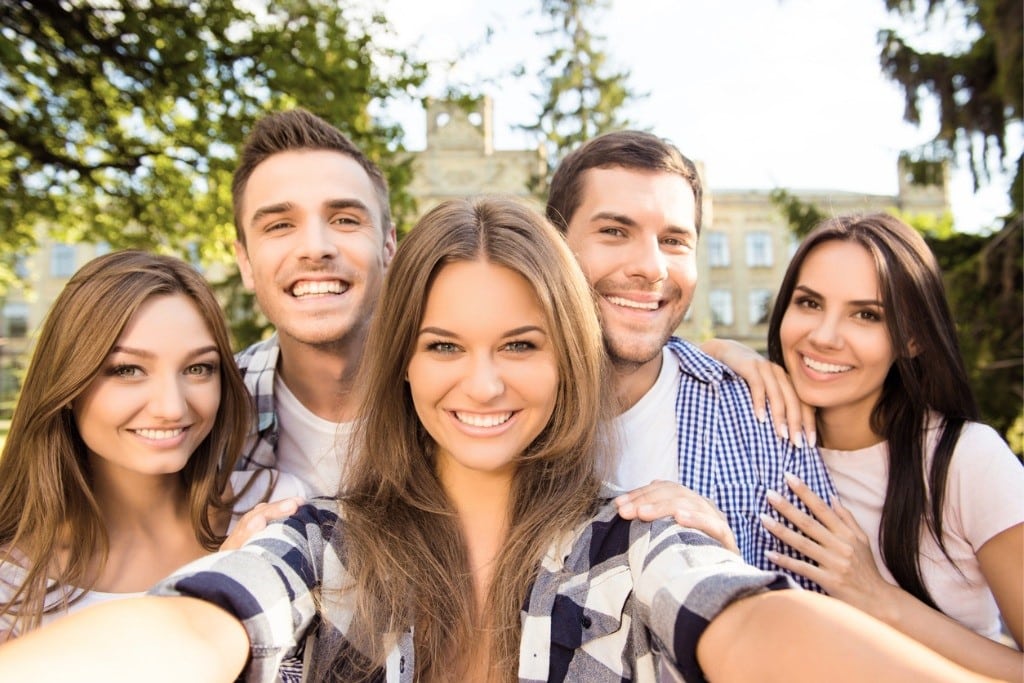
[
  {"x": 270, "y": 584},
  {"x": 985, "y": 485},
  {"x": 683, "y": 579}
]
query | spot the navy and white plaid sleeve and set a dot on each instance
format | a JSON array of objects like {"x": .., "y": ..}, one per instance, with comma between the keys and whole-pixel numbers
[{"x": 270, "y": 584}]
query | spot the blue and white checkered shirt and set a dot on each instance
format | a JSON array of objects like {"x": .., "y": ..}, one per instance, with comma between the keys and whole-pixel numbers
[
  {"x": 728, "y": 456},
  {"x": 614, "y": 600}
]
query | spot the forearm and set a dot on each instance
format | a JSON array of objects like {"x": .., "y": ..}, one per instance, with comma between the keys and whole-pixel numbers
[
  {"x": 948, "y": 637},
  {"x": 149, "y": 638},
  {"x": 802, "y": 636}
]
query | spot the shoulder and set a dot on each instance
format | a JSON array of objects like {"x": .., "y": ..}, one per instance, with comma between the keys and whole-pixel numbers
[
  {"x": 696, "y": 364},
  {"x": 258, "y": 356}
]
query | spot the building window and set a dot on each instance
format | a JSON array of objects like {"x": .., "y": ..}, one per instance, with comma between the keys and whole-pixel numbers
[
  {"x": 760, "y": 305},
  {"x": 718, "y": 250},
  {"x": 62, "y": 260},
  {"x": 15, "y": 320},
  {"x": 759, "y": 250},
  {"x": 721, "y": 306}
]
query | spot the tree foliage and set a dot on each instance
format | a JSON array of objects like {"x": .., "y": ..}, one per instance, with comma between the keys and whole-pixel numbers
[
  {"x": 120, "y": 119},
  {"x": 978, "y": 89},
  {"x": 583, "y": 95}
]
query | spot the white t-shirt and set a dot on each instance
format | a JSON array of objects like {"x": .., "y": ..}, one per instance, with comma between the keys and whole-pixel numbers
[
  {"x": 646, "y": 444},
  {"x": 984, "y": 496},
  {"x": 309, "y": 446},
  {"x": 285, "y": 486}
]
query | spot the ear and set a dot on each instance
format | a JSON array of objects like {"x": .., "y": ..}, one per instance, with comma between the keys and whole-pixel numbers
[
  {"x": 390, "y": 245},
  {"x": 244, "y": 267},
  {"x": 913, "y": 349}
]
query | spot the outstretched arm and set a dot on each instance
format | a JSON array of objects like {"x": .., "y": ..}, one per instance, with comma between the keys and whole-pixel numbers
[
  {"x": 803, "y": 636},
  {"x": 769, "y": 383},
  {"x": 846, "y": 570},
  {"x": 150, "y": 638}
]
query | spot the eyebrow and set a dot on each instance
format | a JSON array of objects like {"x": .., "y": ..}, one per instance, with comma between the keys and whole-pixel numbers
[
  {"x": 856, "y": 302},
  {"x": 441, "y": 332},
  {"x": 333, "y": 204},
  {"x": 143, "y": 353},
  {"x": 627, "y": 221}
]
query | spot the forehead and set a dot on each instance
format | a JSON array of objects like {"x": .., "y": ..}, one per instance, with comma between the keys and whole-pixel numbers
[
  {"x": 843, "y": 266},
  {"x": 481, "y": 293},
  {"x": 618, "y": 189},
  {"x": 308, "y": 179},
  {"x": 166, "y": 320}
]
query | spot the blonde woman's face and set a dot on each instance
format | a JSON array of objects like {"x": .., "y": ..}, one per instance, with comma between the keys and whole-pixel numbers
[
  {"x": 484, "y": 373},
  {"x": 156, "y": 396}
]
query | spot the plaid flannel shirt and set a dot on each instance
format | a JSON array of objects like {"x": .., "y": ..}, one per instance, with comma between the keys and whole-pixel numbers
[
  {"x": 258, "y": 365},
  {"x": 727, "y": 455},
  {"x": 615, "y": 600}
]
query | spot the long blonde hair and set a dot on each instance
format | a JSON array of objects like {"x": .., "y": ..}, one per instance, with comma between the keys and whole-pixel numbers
[
  {"x": 404, "y": 548},
  {"x": 46, "y": 495}
]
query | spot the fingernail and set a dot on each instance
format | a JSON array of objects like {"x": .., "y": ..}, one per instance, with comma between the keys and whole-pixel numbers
[
  {"x": 812, "y": 437},
  {"x": 772, "y": 496},
  {"x": 783, "y": 431},
  {"x": 766, "y": 520},
  {"x": 771, "y": 555},
  {"x": 792, "y": 479},
  {"x": 759, "y": 414},
  {"x": 800, "y": 439}
]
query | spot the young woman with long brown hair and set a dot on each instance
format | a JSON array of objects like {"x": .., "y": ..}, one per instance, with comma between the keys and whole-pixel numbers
[{"x": 118, "y": 464}]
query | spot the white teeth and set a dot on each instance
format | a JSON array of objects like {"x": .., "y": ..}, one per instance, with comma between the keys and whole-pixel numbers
[
  {"x": 159, "y": 434},
  {"x": 629, "y": 303},
  {"x": 307, "y": 287},
  {"x": 825, "y": 367},
  {"x": 474, "y": 420}
]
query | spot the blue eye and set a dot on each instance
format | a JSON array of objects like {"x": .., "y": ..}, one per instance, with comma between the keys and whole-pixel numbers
[
  {"x": 442, "y": 347},
  {"x": 125, "y": 371},
  {"x": 520, "y": 346}
]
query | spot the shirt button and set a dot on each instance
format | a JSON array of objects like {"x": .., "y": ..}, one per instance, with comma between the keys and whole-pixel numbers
[
  {"x": 585, "y": 621},
  {"x": 401, "y": 665}
]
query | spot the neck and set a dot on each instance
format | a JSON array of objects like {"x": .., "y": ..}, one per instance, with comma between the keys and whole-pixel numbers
[
  {"x": 633, "y": 380},
  {"x": 129, "y": 500},
  {"x": 481, "y": 501},
  {"x": 322, "y": 378},
  {"x": 846, "y": 430}
]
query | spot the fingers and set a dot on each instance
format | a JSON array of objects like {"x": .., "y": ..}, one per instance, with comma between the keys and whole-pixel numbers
[
  {"x": 665, "y": 499},
  {"x": 814, "y": 503},
  {"x": 792, "y": 564},
  {"x": 808, "y": 525},
  {"x": 257, "y": 519}
]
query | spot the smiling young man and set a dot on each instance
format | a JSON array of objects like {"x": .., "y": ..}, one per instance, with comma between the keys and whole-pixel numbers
[
  {"x": 629, "y": 205},
  {"x": 314, "y": 239}
]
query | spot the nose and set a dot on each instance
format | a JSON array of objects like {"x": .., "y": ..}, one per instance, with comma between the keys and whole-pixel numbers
[
  {"x": 647, "y": 260},
  {"x": 826, "y": 333},
  {"x": 483, "y": 382},
  {"x": 315, "y": 240},
  {"x": 167, "y": 400}
]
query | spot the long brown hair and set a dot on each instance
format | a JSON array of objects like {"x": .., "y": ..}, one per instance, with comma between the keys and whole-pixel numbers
[
  {"x": 932, "y": 378},
  {"x": 46, "y": 495},
  {"x": 406, "y": 554}
]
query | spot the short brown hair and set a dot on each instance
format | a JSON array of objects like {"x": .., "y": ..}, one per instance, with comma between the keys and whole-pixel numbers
[
  {"x": 631, "y": 149},
  {"x": 298, "y": 129}
]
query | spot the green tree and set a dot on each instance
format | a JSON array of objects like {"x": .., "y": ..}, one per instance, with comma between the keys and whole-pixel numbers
[
  {"x": 120, "y": 119},
  {"x": 583, "y": 95},
  {"x": 979, "y": 92}
]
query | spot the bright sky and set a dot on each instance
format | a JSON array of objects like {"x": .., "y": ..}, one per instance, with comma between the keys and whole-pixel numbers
[{"x": 767, "y": 93}]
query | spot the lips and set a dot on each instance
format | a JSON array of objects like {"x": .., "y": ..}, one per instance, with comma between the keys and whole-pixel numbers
[
  {"x": 483, "y": 420},
  {"x": 827, "y": 368},
  {"x": 159, "y": 434},
  {"x": 632, "y": 303},
  {"x": 304, "y": 288}
]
